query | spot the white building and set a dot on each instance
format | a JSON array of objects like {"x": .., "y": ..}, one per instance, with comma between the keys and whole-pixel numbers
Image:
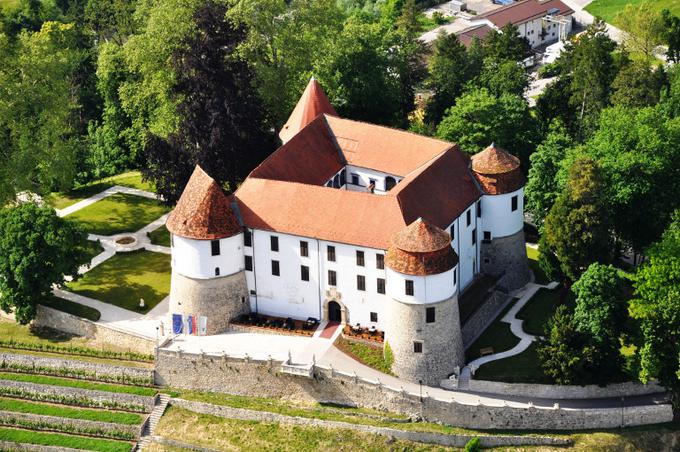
[{"x": 318, "y": 220}]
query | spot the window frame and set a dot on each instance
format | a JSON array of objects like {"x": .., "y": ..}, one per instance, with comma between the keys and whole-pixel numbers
[
  {"x": 514, "y": 203},
  {"x": 380, "y": 285},
  {"x": 215, "y": 248},
  {"x": 276, "y": 268},
  {"x": 332, "y": 279},
  {"x": 380, "y": 261},
  {"x": 409, "y": 287},
  {"x": 248, "y": 263},
  {"x": 361, "y": 283},
  {"x": 417, "y": 346},
  {"x": 430, "y": 315},
  {"x": 248, "y": 238},
  {"x": 274, "y": 243},
  {"x": 360, "y": 258},
  {"x": 468, "y": 217},
  {"x": 330, "y": 253},
  {"x": 304, "y": 272},
  {"x": 372, "y": 316},
  {"x": 304, "y": 248}
]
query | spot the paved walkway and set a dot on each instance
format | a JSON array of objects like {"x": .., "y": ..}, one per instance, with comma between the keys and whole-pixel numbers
[{"x": 104, "y": 194}]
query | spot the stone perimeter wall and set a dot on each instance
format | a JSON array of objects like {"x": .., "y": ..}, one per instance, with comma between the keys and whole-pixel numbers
[
  {"x": 442, "y": 439},
  {"x": 8, "y": 445},
  {"x": 63, "y": 321},
  {"x": 475, "y": 325},
  {"x": 264, "y": 379},
  {"x": 563, "y": 392}
]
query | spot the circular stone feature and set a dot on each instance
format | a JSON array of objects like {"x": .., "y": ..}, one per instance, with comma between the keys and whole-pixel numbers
[{"x": 127, "y": 240}]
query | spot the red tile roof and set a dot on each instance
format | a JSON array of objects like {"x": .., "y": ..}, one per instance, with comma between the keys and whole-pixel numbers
[
  {"x": 469, "y": 34},
  {"x": 421, "y": 249},
  {"x": 497, "y": 171},
  {"x": 203, "y": 212},
  {"x": 312, "y": 103},
  {"x": 524, "y": 11}
]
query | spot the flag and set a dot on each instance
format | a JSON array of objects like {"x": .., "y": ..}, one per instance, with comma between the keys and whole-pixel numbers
[
  {"x": 194, "y": 330},
  {"x": 202, "y": 325},
  {"x": 190, "y": 323},
  {"x": 177, "y": 323}
]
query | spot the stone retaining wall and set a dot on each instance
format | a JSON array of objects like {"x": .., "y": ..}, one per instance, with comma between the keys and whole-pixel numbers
[
  {"x": 475, "y": 325},
  {"x": 410, "y": 435},
  {"x": 94, "y": 369},
  {"x": 9, "y": 445},
  {"x": 99, "y": 396},
  {"x": 103, "y": 333},
  {"x": 264, "y": 379},
  {"x": 561, "y": 392},
  {"x": 56, "y": 421}
]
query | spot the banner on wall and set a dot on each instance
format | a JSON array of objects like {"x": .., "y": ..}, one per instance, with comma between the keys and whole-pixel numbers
[
  {"x": 190, "y": 325},
  {"x": 177, "y": 323},
  {"x": 202, "y": 325}
]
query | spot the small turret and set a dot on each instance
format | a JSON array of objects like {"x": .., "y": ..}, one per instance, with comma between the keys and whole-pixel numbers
[{"x": 312, "y": 103}]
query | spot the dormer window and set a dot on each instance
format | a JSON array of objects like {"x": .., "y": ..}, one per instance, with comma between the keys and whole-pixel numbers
[{"x": 355, "y": 179}]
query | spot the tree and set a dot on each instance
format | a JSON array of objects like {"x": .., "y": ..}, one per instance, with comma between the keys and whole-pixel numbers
[
  {"x": 657, "y": 305},
  {"x": 543, "y": 185},
  {"x": 506, "y": 44},
  {"x": 39, "y": 111},
  {"x": 565, "y": 354},
  {"x": 448, "y": 74},
  {"x": 551, "y": 105},
  {"x": 504, "y": 77},
  {"x": 480, "y": 118},
  {"x": 643, "y": 26},
  {"x": 223, "y": 127},
  {"x": 37, "y": 249},
  {"x": 577, "y": 227},
  {"x": 601, "y": 309},
  {"x": 110, "y": 19},
  {"x": 637, "y": 85},
  {"x": 671, "y": 35}
]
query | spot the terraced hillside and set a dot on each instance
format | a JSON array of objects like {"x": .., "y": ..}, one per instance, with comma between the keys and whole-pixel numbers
[{"x": 73, "y": 397}]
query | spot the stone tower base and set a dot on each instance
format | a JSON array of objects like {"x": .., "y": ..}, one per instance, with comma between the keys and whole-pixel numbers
[
  {"x": 442, "y": 341},
  {"x": 506, "y": 257},
  {"x": 219, "y": 299}
]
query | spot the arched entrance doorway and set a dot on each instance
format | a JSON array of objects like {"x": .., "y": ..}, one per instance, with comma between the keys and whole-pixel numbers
[{"x": 334, "y": 312}]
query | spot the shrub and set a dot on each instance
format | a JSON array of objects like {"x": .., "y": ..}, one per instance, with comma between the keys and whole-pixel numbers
[
  {"x": 473, "y": 445},
  {"x": 71, "y": 400},
  {"x": 65, "y": 428}
]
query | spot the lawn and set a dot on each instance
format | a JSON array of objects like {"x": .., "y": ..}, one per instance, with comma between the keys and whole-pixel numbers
[
  {"x": 522, "y": 368},
  {"x": 58, "y": 439},
  {"x": 127, "y": 277},
  {"x": 91, "y": 248},
  {"x": 131, "y": 179},
  {"x": 608, "y": 9},
  {"x": 119, "y": 213},
  {"x": 160, "y": 236},
  {"x": 429, "y": 23},
  {"x": 370, "y": 356},
  {"x": 72, "y": 383},
  {"x": 541, "y": 307},
  {"x": 47, "y": 409},
  {"x": 497, "y": 336},
  {"x": 70, "y": 307},
  {"x": 539, "y": 274},
  {"x": 227, "y": 434}
]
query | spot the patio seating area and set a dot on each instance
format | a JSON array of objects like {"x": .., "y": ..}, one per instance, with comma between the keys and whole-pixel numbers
[
  {"x": 278, "y": 324},
  {"x": 357, "y": 331}
]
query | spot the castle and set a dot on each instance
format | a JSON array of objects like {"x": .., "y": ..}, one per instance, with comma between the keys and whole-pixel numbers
[{"x": 356, "y": 223}]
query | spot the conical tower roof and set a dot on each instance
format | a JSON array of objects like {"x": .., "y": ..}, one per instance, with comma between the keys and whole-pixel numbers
[
  {"x": 422, "y": 249},
  {"x": 203, "y": 212},
  {"x": 497, "y": 171},
  {"x": 312, "y": 103}
]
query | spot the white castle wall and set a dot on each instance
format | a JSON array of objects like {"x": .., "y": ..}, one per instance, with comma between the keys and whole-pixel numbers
[
  {"x": 498, "y": 217},
  {"x": 193, "y": 258},
  {"x": 468, "y": 253},
  {"x": 426, "y": 289}
]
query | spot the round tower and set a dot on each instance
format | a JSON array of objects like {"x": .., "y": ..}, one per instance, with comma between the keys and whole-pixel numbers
[
  {"x": 503, "y": 248},
  {"x": 423, "y": 329},
  {"x": 208, "y": 274}
]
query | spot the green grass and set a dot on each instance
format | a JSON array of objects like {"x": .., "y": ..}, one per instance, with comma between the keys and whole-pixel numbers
[
  {"x": 47, "y": 409},
  {"x": 58, "y": 439},
  {"x": 522, "y": 368},
  {"x": 127, "y": 277},
  {"x": 428, "y": 23},
  {"x": 541, "y": 307},
  {"x": 370, "y": 356},
  {"x": 608, "y": 9},
  {"x": 91, "y": 248},
  {"x": 8, "y": 4},
  {"x": 119, "y": 213},
  {"x": 131, "y": 179},
  {"x": 539, "y": 274},
  {"x": 497, "y": 336},
  {"x": 82, "y": 384},
  {"x": 70, "y": 307},
  {"x": 160, "y": 236}
]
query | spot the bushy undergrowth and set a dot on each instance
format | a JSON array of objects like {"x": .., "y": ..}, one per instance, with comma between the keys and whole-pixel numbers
[
  {"x": 71, "y": 400},
  {"x": 76, "y": 373}
]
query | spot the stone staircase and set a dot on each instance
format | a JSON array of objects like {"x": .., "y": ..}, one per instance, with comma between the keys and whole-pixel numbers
[{"x": 154, "y": 418}]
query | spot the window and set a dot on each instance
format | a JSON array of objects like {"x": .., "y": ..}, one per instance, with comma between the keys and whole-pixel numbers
[
  {"x": 409, "y": 287},
  {"x": 417, "y": 347},
  {"x": 336, "y": 181},
  {"x": 249, "y": 263},
  {"x": 275, "y": 268},
  {"x": 248, "y": 238},
  {"x": 487, "y": 236},
  {"x": 429, "y": 315},
  {"x": 468, "y": 217},
  {"x": 330, "y": 253},
  {"x": 479, "y": 209},
  {"x": 360, "y": 258},
  {"x": 374, "y": 317},
  {"x": 514, "y": 203},
  {"x": 355, "y": 179},
  {"x": 304, "y": 272},
  {"x": 455, "y": 277},
  {"x": 274, "y": 243},
  {"x": 361, "y": 282},
  {"x": 215, "y": 247},
  {"x": 217, "y": 271},
  {"x": 252, "y": 292},
  {"x": 343, "y": 178},
  {"x": 381, "y": 285},
  {"x": 474, "y": 236},
  {"x": 390, "y": 182},
  {"x": 332, "y": 278},
  {"x": 304, "y": 249},
  {"x": 380, "y": 261},
  {"x": 452, "y": 231}
]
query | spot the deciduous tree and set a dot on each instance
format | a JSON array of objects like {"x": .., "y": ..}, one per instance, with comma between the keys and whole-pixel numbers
[
  {"x": 643, "y": 26},
  {"x": 448, "y": 74}
]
